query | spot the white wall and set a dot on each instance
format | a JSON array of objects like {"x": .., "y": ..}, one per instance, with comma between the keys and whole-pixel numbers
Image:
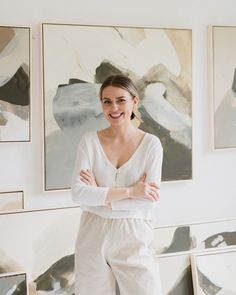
[{"x": 212, "y": 192}]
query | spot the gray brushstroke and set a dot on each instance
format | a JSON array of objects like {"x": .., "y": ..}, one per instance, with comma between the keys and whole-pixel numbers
[
  {"x": 220, "y": 239},
  {"x": 181, "y": 240},
  {"x": 76, "y": 108},
  {"x": 206, "y": 285},
  {"x": 58, "y": 276},
  {"x": 184, "y": 285}
]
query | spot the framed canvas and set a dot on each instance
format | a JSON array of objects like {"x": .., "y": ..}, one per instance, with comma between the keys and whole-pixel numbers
[
  {"x": 214, "y": 272},
  {"x": 15, "y": 83},
  {"x": 45, "y": 242},
  {"x": 223, "y": 69},
  {"x": 195, "y": 236},
  {"x": 13, "y": 283},
  {"x": 175, "y": 274},
  {"x": 78, "y": 58},
  {"x": 11, "y": 201}
]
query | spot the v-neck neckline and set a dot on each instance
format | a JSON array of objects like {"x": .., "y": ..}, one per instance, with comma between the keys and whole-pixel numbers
[{"x": 130, "y": 158}]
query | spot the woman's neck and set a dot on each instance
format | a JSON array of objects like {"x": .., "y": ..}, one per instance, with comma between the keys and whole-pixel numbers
[{"x": 120, "y": 132}]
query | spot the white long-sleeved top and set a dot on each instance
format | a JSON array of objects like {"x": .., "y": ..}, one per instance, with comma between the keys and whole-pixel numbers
[{"x": 90, "y": 155}]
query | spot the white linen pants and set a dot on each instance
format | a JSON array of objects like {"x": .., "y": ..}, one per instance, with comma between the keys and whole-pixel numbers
[{"x": 110, "y": 250}]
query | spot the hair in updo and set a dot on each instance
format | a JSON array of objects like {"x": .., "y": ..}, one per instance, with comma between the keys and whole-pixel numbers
[{"x": 123, "y": 82}]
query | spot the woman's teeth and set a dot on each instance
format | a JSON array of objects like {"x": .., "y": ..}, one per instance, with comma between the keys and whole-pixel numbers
[{"x": 116, "y": 116}]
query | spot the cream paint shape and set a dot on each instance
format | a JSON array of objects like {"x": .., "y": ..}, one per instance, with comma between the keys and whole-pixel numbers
[{"x": 73, "y": 56}]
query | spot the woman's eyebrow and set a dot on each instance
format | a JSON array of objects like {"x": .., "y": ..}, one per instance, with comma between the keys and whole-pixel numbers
[
  {"x": 118, "y": 97},
  {"x": 105, "y": 98}
]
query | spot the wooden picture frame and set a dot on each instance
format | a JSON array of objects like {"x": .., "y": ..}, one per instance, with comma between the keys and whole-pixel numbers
[
  {"x": 195, "y": 236},
  {"x": 214, "y": 272},
  {"x": 77, "y": 59}
]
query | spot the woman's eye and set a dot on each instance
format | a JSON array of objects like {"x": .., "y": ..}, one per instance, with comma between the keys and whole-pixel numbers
[
  {"x": 121, "y": 101},
  {"x": 106, "y": 102}
]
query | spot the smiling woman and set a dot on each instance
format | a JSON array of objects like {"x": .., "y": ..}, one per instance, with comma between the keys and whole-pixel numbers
[
  {"x": 129, "y": 91},
  {"x": 116, "y": 181}
]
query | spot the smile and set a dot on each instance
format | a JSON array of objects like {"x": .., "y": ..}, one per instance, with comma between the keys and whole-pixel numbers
[{"x": 116, "y": 116}]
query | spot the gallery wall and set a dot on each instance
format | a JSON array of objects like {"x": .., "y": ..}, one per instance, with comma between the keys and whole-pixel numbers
[{"x": 212, "y": 191}]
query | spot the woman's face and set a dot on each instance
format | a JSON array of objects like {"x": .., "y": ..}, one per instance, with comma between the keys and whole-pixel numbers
[{"x": 117, "y": 105}]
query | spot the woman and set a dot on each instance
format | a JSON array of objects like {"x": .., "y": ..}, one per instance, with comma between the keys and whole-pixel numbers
[{"x": 116, "y": 181}]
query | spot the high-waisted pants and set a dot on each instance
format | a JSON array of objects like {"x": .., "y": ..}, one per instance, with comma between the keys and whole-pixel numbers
[{"x": 110, "y": 250}]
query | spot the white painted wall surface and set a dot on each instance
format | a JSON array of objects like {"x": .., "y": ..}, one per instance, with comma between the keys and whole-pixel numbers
[{"x": 212, "y": 192}]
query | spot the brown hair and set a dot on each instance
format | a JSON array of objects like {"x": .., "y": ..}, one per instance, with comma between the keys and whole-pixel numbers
[{"x": 123, "y": 82}]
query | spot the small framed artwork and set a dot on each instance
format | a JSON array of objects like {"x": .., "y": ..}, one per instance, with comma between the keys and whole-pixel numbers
[
  {"x": 76, "y": 61},
  {"x": 175, "y": 274},
  {"x": 13, "y": 283},
  {"x": 11, "y": 201},
  {"x": 195, "y": 236},
  {"x": 214, "y": 272},
  {"x": 223, "y": 72}
]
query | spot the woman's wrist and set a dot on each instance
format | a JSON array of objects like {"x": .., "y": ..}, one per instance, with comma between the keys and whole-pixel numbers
[{"x": 118, "y": 193}]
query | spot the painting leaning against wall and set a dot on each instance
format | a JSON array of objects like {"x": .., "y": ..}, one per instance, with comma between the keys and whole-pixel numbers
[
  {"x": 50, "y": 269},
  {"x": 14, "y": 84},
  {"x": 78, "y": 58},
  {"x": 192, "y": 237},
  {"x": 214, "y": 272}
]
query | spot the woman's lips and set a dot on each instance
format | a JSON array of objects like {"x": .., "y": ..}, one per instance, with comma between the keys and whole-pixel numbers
[{"x": 115, "y": 116}]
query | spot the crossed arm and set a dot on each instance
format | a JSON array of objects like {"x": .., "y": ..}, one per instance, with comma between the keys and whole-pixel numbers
[
  {"x": 141, "y": 189},
  {"x": 140, "y": 196}
]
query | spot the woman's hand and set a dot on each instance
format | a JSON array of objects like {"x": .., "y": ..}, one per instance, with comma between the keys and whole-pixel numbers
[
  {"x": 147, "y": 190},
  {"x": 87, "y": 177}
]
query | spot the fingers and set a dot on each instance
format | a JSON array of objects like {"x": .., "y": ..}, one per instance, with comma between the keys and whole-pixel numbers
[
  {"x": 153, "y": 192},
  {"x": 87, "y": 177},
  {"x": 154, "y": 184},
  {"x": 143, "y": 178}
]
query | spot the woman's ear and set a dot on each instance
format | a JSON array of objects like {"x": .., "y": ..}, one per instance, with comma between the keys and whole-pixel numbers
[{"x": 135, "y": 100}]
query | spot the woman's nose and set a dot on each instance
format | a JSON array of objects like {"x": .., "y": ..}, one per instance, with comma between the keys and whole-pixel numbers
[{"x": 114, "y": 106}]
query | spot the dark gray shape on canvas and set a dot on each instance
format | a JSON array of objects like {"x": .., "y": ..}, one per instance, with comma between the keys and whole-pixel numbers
[
  {"x": 225, "y": 238},
  {"x": 55, "y": 274},
  {"x": 206, "y": 285},
  {"x": 73, "y": 104},
  {"x": 177, "y": 160},
  {"x": 184, "y": 286},
  {"x": 181, "y": 240}
]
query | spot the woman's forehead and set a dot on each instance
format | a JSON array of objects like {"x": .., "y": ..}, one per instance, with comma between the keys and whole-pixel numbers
[{"x": 113, "y": 92}]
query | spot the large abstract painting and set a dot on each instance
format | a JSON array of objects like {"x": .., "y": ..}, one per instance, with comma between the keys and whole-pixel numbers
[
  {"x": 14, "y": 84},
  {"x": 41, "y": 244},
  {"x": 215, "y": 234},
  {"x": 214, "y": 273},
  {"x": 77, "y": 59},
  {"x": 224, "y": 86}
]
